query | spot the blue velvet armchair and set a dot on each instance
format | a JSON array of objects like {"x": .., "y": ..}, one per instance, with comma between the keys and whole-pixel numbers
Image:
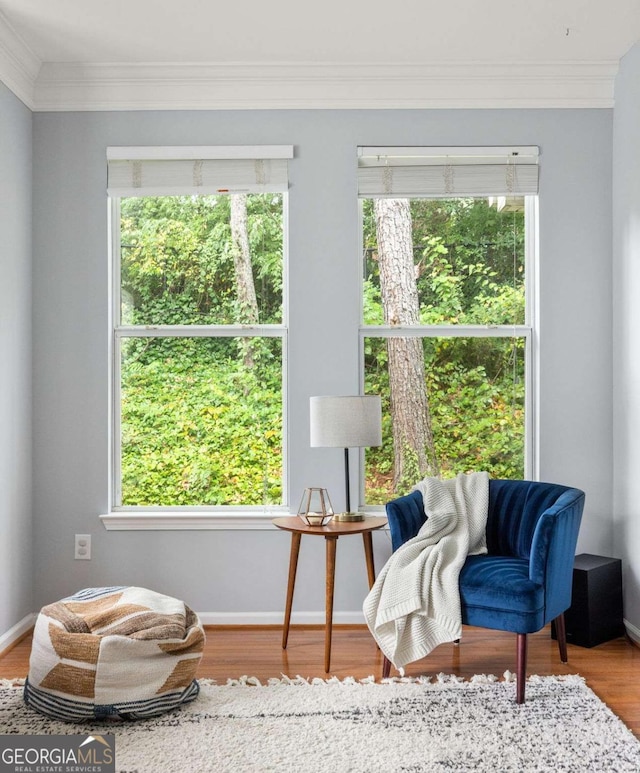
[{"x": 524, "y": 581}]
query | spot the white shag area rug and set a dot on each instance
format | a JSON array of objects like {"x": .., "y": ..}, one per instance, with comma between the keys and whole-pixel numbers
[{"x": 364, "y": 727}]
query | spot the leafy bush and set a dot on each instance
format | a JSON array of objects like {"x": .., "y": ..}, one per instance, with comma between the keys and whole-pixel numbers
[{"x": 201, "y": 425}]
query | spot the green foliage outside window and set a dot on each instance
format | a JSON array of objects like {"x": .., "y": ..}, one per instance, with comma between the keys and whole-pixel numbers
[
  {"x": 198, "y": 426},
  {"x": 202, "y": 426},
  {"x": 469, "y": 261}
]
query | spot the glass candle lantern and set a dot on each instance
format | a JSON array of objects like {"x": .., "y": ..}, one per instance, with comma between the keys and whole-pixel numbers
[{"x": 315, "y": 507}]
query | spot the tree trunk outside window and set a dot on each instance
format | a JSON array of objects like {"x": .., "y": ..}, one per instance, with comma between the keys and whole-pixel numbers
[
  {"x": 245, "y": 287},
  {"x": 414, "y": 451}
]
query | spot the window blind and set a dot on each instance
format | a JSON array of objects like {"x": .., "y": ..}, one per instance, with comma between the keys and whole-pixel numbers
[
  {"x": 178, "y": 171},
  {"x": 425, "y": 172}
]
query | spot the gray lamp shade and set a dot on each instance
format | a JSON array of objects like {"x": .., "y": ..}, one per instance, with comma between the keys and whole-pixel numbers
[{"x": 350, "y": 421}]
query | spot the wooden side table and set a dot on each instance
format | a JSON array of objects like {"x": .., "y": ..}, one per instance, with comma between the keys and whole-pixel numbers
[{"x": 330, "y": 532}]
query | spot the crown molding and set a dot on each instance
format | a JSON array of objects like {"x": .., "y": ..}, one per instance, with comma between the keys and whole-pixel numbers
[
  {"x": 244, "y": 86},
  {"x": 54, "y": 86},
  {"x": 19, "y": 66}
]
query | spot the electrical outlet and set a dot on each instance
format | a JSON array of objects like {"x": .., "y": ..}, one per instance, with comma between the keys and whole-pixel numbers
[{"x": 83, "y": 547}]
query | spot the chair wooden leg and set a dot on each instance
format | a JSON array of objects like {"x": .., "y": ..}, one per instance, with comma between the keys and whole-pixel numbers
[
  {"x": 386, "y": 668},
  {"x": 521, "y": 667},
  {"x": 561, "y": 634}
]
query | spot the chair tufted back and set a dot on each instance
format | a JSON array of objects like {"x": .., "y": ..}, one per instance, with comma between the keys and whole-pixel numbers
[
  {"x": 406, "y": 516},
  {"x": 515, "y": 507}
]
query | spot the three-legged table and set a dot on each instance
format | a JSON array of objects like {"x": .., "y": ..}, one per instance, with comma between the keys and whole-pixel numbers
[{"x": 330, "y": 532}]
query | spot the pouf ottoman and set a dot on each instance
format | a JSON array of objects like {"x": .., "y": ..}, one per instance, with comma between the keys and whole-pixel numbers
[{"x": 113, "y": 652}]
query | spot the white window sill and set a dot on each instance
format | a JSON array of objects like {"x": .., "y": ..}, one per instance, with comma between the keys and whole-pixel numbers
[
  {"x": 227, "y": 519},
  {"x": 191, "y": 520}
]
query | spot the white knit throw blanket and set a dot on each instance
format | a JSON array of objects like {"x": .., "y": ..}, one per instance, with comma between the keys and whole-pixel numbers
[{"x": 414, "y": 604}]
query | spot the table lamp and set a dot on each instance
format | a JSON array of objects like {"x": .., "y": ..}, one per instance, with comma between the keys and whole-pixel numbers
[{"x": 346, "y": 421}]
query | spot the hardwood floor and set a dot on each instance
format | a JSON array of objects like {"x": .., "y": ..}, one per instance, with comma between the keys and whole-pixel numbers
[{"x": 612, "y": 670}]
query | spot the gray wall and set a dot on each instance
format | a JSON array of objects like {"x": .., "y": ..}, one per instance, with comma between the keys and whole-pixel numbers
[
  {"x": 244, "y": 572},
  {"x": 626, "y": 310},
  {"x": 16, "y": 565}
]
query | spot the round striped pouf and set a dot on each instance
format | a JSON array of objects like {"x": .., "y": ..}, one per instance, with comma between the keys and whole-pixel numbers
[{"x": 113, "y": 652}]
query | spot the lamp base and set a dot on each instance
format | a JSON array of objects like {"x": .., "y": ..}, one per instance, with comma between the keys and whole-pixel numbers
[{"x": 348, "y": 517}]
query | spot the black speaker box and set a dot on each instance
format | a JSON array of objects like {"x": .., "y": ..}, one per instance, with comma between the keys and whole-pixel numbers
[{"x": 595, "y": 614}]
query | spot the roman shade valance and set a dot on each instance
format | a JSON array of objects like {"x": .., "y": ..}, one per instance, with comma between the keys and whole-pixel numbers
[
  {"x": 441, "y": 172},
  {"x": 187, "y": 171}
]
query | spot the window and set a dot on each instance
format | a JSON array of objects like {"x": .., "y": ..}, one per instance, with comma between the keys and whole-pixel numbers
[
  {"x": 199, "y": 327},
  {"x": 446, "y": 339}
]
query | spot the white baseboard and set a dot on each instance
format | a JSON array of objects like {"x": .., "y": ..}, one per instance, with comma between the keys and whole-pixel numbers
[
  {"x": 276, "y": 618},
  {"x": 317, "y": 618},
  {"x": 632, "y": 632},
  {"x": 252, "y": 618},
  {"x": 218, "y": 618},
  {"x": 16, "y": 632}
]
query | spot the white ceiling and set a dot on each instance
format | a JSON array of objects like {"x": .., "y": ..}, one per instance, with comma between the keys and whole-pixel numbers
[
  {"x": 71, "y": 45},
  {"x": 328, "y": 31}
]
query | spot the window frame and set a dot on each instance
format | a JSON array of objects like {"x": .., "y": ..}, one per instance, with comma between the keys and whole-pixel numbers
[
  {"x": 185, "y": 517},
  {"x": 528, "y": 331}
]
